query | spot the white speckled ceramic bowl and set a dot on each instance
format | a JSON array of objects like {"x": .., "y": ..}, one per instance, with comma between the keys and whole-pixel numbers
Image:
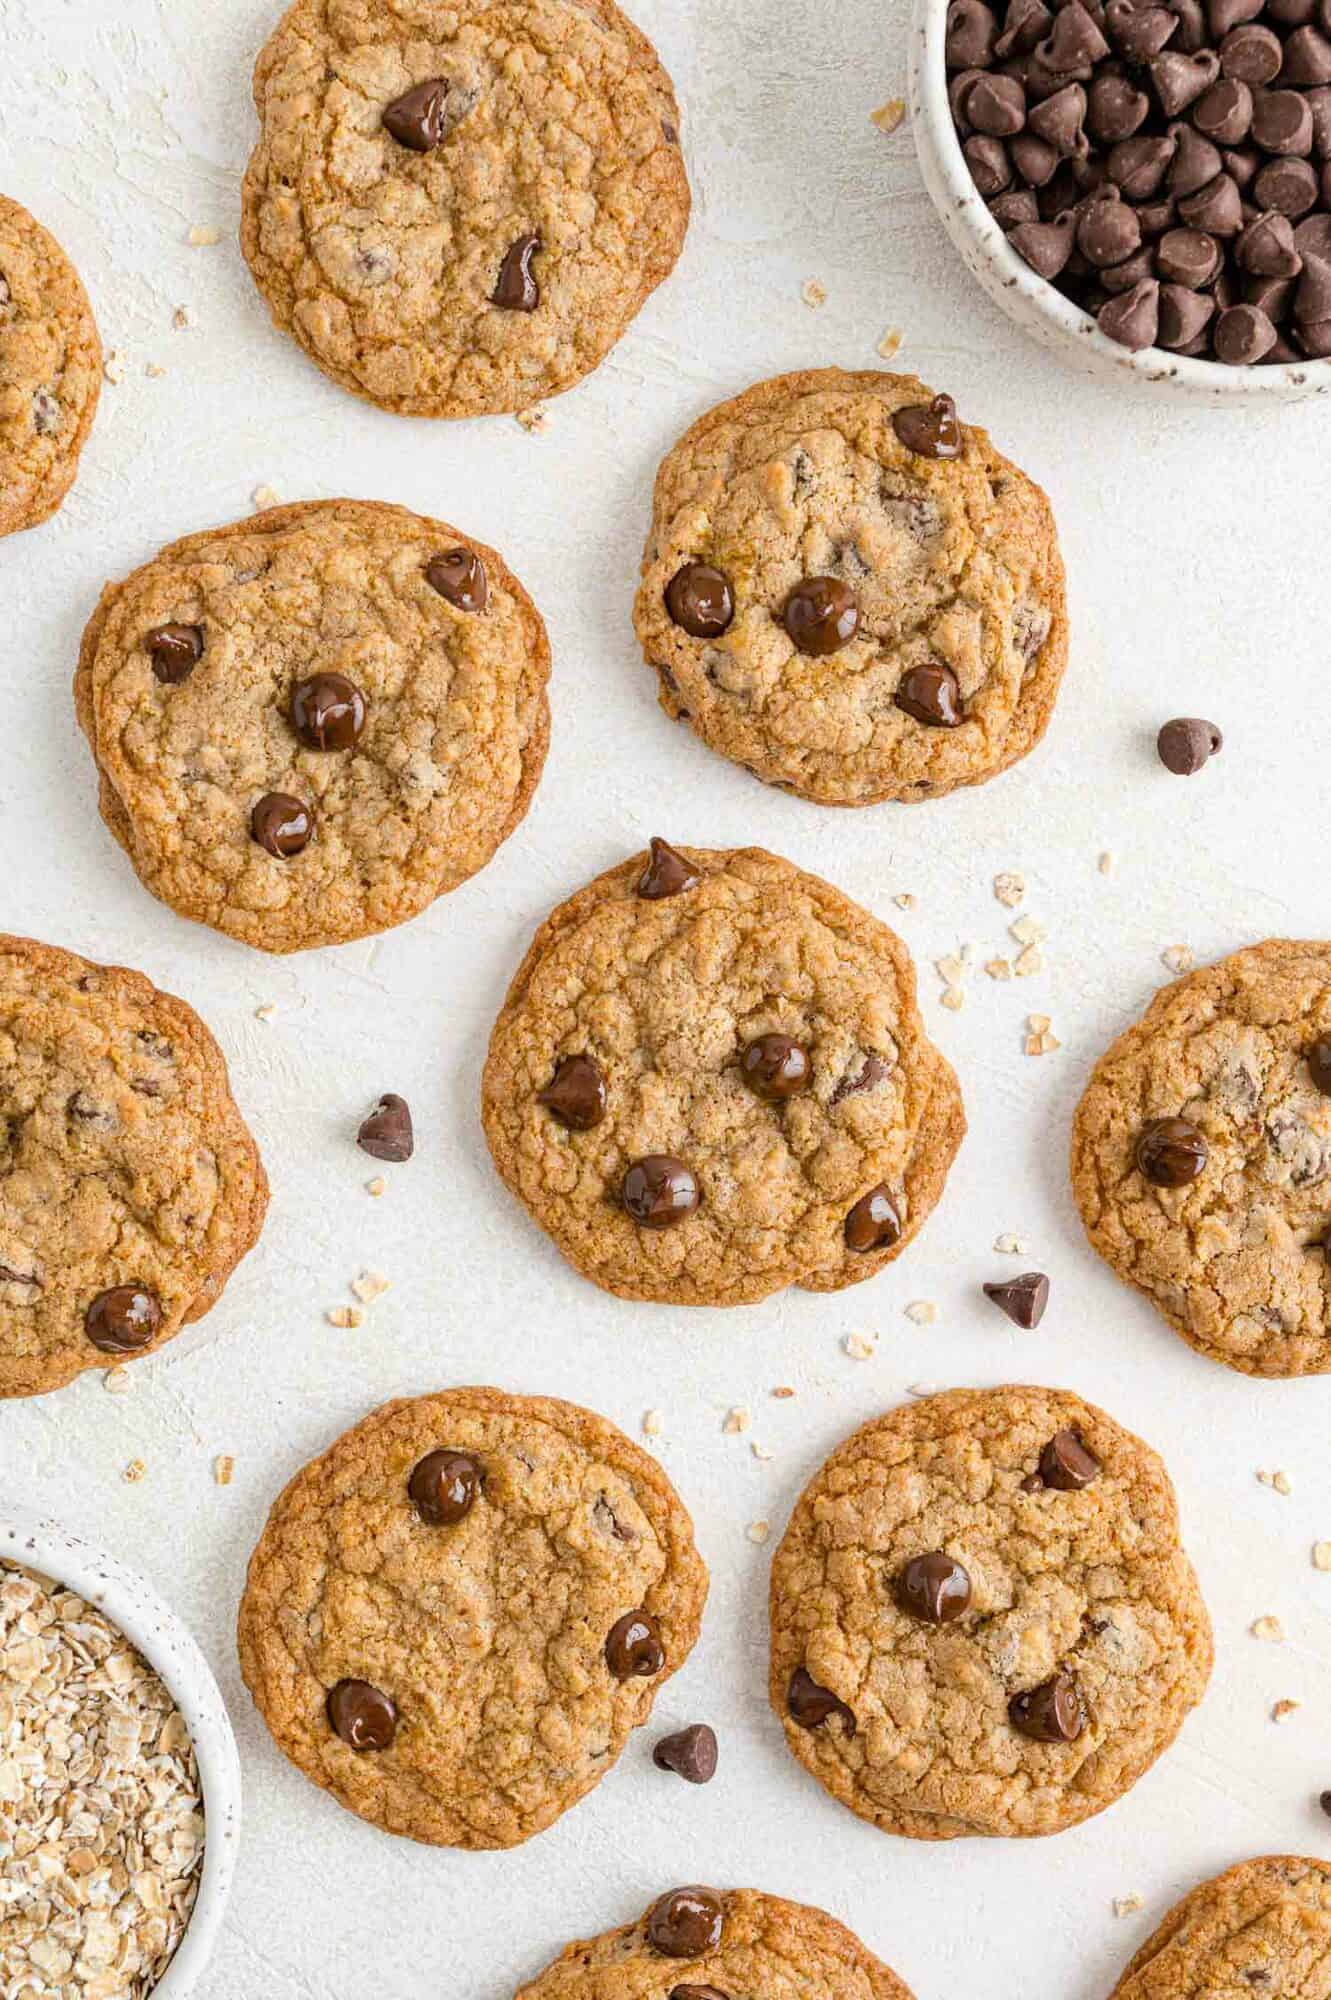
[
  {"x": 132, "y": 1604},
  {"x": 1029, "y": 300}
]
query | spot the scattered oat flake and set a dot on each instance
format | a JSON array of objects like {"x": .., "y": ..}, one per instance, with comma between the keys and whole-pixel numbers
[
  {"x": 1280, "y": 1482},
  {"x": 951, "y": 969},
  {"x": 998, "y": 968},
  {"x": 923, "y": 1311},
  {"x": 377, "y": 1186},
  {"x": 267, "y": 496},
  {"x": 859, "y": 1347},
  {"x": 1106, "y": 864},
  {"x": 922, "y": 1388},
  {"x": 223, "y": 1467},
  {"x": 203, "y": 235},
  {"x": 1268, "y": 1628},
  {"x": 534, "y": 420},
  {"x": 1027, "y": 931},
  {"x": 953, "y": 998},
  {"x": 1322, "y": 1555},
  {"x": 737, "y": 1420},
  {"x": 1282, "y": 1710},
  {"x": 889, "y": 346},
  {"x": 154, "y": 371},
  {"x": 783, "y": 1394},
  {"x": 114, "y": 366},
  {"x": 889, "y": 116},
  {"x": 1178, "y": 958},
  {"x": 116, "y": 1381},
  {"x": 370, "y": 1285},
  {"x": 653, "y": 1424},
  {"x": 905, "y": 901},
  {"x": 761, "y": 1453},
  {"x": 1040, "y": 1042},
  {"x": 1124, "y": 1906},
  {"x": 1029, "y": 961},
  {"x": 135, "y": 1471},
  {"x": 1009, "y": 889},
  {"x": 182, "y": 317},
  {"x": 266, "y": 1013},
  {"x": 758, "y": 1531},
  {"x": 814, "y": 293},
  {"x": 344, "y": 1316}
]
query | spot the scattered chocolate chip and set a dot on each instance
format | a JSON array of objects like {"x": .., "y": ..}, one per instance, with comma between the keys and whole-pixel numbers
[
  {"x": 445, "y": 1485},
  {"x": 811, "y": 1705},
  {"x": 775, "y": 1067},
  {"x": 1171, "y": 1152},
  {"x": 667, "y": 873},
  {"x": 659, "y": 1191},
  {"x": 930, "y": 694},
  {"x": 459, "y": 577},
  {"x": 1050, "y": 1713},
  {"x": 575, "y": 1095},
  {"x": 419, "y": 119},
  {"x": 1067, "y": 1464},
  {"x": 700, "y": 600},
  {"x": 873, "y": 1223},
  {"x": 363, "y": 1716},
  {"x": 517, "y": 289},
  {"x": 122, "y": 1320},
  {"x": 328, "y": 712},
  {"x": 930, "y": 430},
  {"x": 821, "y": 615},
  {"x": 1318, "y": 1058},
  {"x": 690, "y": 1753},
  {"x": 1324, "y": 1801},
  {"x": 1023, "y": 1299},
  {"x": 281, "y": 825},
  {"x": 633, "y": 1648},
  {"x": 686, "y": 1923},
  {"x": 1187, "y": 743},
  {"x": 175, "y": 651},
  {"x": 934, "y": 1587},
  {"x": 387, "y": 1133}
]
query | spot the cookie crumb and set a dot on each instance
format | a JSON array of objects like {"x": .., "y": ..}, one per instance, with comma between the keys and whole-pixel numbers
[
  {"x": 783, "y": 1394},
  {"x": 814, "y": 293},
  {"x": 1282, "y": 1710},
  {"x": 1106, "y": 863},
  {"x": 737, "y": 1421},
  {"x": 203, "y": 235},
  {"x": 182, "y": 317},
  {"x": 905, "y": 901},
  {"x": 114, "y": 366},
  {"x": 1039, "y": 1040},
  {"x": 377, "y": 1186},
  {"x": 761, "y": 1453},
  {"x": 1125, "y": 1906},
  {"x": 859, "y": 1347},
  {"x": 1278, "y": 1481},
  {"x": 135, "y": 1471},
  {"x": 889, "y": 346},
  {"x": 1178, "y": 958},
  {"x": 116, "y": 1382},
  {"x": 344, "y": 1316},
  {"x": 923, "y": 1311},
  {"x": 370, "y": 1285},
  {"x": 1009, "y": 889},
  {"x": 998, "y": 968},
  {"x": 223, "y": 1467},
  {"x": 1012, "y": 1246},
  {"x": 534, "y": 420},
  {"x": 154, "y": 370},
  {"x": 653, "y": 1424},
  {"x": 758, "y": 1531},
  {"x": 1322, "y": 1555},
  {"x": 889, "y": 116},
  {"x": 266, "y": 1013},
  {"x": 1268, "y": 1628},
  {"x": 266, "y": 496},
  {"x": 1029, "y": 961}
]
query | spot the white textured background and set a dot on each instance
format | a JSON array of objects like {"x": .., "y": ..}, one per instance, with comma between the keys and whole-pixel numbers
[{"x": 1197, "y": 550}]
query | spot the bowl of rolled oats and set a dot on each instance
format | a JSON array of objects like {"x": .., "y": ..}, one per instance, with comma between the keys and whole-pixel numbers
[{"x": 119, "y": 1779}]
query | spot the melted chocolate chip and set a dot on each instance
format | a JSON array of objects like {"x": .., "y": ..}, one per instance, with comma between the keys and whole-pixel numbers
[
  {"x": 1171, "y": 1152},
  {"x": 1067, "y": 1465},
  {"x": 328, "y": 712},
  {"x": 459, "y": 577},
  {"x": 700, "y": 600},
  {"x": 692, "y": 1992},
  {"x": 934, "y": 1587},
  {"x": 517, "y": 289},
  {"x": 362, "y": 1715},
  {"x": 690, "y": 1753},
  {"x": 420, "y": 118},
  {"x": 281, "y": 825},
  {"x": 869, "y": 1074},
  {"x": 1050, "y": 1713},
  {"x": 667, "y": 873},
  {"x": 575, "y": 1095},
  {"x": 931, "y": 694},
  {"x": 444, "y": 1487},
  {"x": 873, "y": 1223},
  {"x": 387, "y": 1134},
  {"x": 930, "y": 430},
  {"x": 1318, "y": 1057},
  {"x": 658, "y": 1191},
  {"x": 123, "y": 1320},
  {"x": 810, "y": 1705},
  {"x": 1023, "y": 1299},
  {"x": 175, "y": 651},
  {"x": 633, "y": 1648},
  {"x": 686, "y": 1923},
  {"x": 821, "y": 615},
  {"x": 775, "y": 1067}
]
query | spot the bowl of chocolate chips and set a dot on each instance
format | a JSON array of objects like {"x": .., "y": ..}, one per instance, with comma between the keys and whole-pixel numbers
[{"x": 1144, "y": 185}]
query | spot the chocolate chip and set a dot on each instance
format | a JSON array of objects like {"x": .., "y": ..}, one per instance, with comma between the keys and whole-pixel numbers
[
  {"x": 1179, "y": 80},
  {"x": 1011, "y": 210},
  {"x": 1046, "y": 246},
  {"x": 1133, "y": 319},
  {"x": 1035, "y": 160},
  {"x": 930, "y": 430},
  {"x": 419, "y": 118},
  {"x": 1050, "y": 1713},
  {"x": 659, "y": 1192},
  {"x": 1312, "y": 301},
  {"x": 387, "y": 1134},
  {"x": 1138, "y": 167},
  {"x": 1187, "y": 743},
  {"x": 810, "y": 1705},
  {"x": 997, "y": 105},
  {"x": 1171, "y": 1152},
  {"x": 970, "y": 35},
  {"x": 821, "y": 615},
  {"x": 1023, "y": 1299},
  {"x": 855, "y": 1081},
  {"x": 1222, "y": 15},
  {"x": 445, "y": 1485},
  {"x": 1187, "y": 257},
  {"x": 1139, "y": 32},
  {"x": 1252, "y": 54},
  {"x": 1324, "y": 1801},
  {"x": 122, "y": 1320},
  {"x": 1196, "y": 161},
  {"x": 775, "y": 1067},
  {"x": 930, "y": 694},
  {"x": 667, "y": 873},
  {"x": 517, "y": 289},
  {"x": 575, "y": 1095},
  {"x": 1216, "y": 208},
  {"x": 175, "y": 651},
  {"x": 282, "y": 825},
  {"x": 873, "y": 1223},
  {"x": 1318, "y": 1058},
  {"x": 1266, "y": 247},
  {"x": 934, "y": 1587},
  {"x": 328, "y": 712},
  {"x": 1242, "y": 335},
  {"x": 700, "y": 600},
  {"x": 690, "y": 1753},
  {"x": 1282, "y": 122},
  {"x": 1307, "y": 59},
  {"x": 686, "y": 1923},
  {"x": 991, "y": 169},
  {"x": 363, "y": 1716},
  {"x": 1115, "y": 109},
  {"x": 459, "y": 577},
  {"x": 633, "y": 1648},
  {"x": 692, "y": 1992},
  {"x": 1290, "y": 186},
  {"x": 1108, "y": 231},
  {"x": 1067, "y": 1465}
]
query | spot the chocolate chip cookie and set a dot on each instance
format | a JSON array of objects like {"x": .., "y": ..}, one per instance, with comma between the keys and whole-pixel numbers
[
  {"x": 457, "y": 1614},
  {"x": 130, "y": 1187},
  {"x": 696, "y": 1943},
  {"x": 50, "y": 370},
  {"x": 1201, "y": 1158},
  {"x": 710, "y": 1080},
  {"x": 850, "y": 592},
  {"x": 982, "y": 1621},
  {"x": 1263, "y": 1927},
  {"x": 310, "y": 724},
  {"x": 459, "y": 210}
]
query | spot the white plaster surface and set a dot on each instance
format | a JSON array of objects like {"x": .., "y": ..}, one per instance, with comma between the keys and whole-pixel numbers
[{"x": 1196, "y": 542}]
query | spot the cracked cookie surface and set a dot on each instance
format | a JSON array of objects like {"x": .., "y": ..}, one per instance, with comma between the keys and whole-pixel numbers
[
  {"x": 397, "y": 810},
  {"x": 667, "y": 995},
  {"x": 486, "y": 1632},
  {"x": 124, "y": 1166},
  {"x": 769, "y": 1949},
  {"x": 947, "y": 571},
  {"x": 912, "y": 1725},
  {"x": 1233, "y": 1257},
  {"x": 398, "y": 263},
  {"x": 50, "y": 370},
  {"x": 1261, "y": 1927}
]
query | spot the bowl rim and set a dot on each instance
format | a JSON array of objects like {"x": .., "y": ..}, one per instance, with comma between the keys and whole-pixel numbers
[
  {"x": 1214, "y": 378},
  {"x": 38, "y": 1542}
]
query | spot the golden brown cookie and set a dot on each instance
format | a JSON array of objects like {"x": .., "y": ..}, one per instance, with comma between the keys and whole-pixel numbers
[
  {"x": 710, "y": 1080},
  {"x": 852, "y": 593},
  {"x": 130, "y": 1187},
  {"x": 459, "y": 210},
  {"x": 1201, "y": 1157},
  {"x": 50, "y": 370},
  {"x": 1261, "y": 1928},
  {"x": 457, "y": 1615},
  {"x": 696, "y": 1943},
  {"x": 982, "y": 1620},
  {"x": 310, "y": 724}
]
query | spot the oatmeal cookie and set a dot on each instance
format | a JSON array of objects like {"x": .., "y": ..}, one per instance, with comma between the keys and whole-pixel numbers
[
  {"x": 457, "y": 1614},
  {"x": 851, "y": 593},
  {"x": 310, "y": 724},
  {"x": 1201, "y": 1157},
  {"x": 1261, "y": 1928},
  {"x": 130, "y": 1187},
  {"x": 459, "y": 210},
  {"x": 982, "y": 1620},
  {"x": 50, "y": 370},
  {"x": 710, "y": 1080}
]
